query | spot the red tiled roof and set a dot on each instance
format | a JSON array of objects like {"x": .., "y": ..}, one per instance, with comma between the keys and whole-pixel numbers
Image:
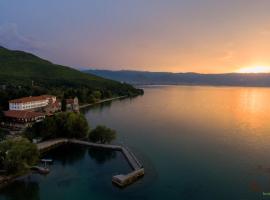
[
  {"x": 30, "y": 99},
  {"x": 22, "y": 114}
]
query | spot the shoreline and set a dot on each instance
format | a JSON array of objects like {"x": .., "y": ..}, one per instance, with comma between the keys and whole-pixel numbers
[
  {"x": 8, "y": 179},
  {"x": 102, "y": 101},
  {"x": 203, "y": 85}
]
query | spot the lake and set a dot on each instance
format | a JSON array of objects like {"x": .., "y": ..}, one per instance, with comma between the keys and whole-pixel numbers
[{"x": 195, "y": 143}]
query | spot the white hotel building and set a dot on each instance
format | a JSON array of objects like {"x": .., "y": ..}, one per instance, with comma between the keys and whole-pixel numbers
[{"x": 31, "y": 103}]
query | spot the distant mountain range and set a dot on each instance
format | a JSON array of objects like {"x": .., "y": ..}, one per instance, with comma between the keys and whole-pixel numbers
[{"x": 157, "y": 78}]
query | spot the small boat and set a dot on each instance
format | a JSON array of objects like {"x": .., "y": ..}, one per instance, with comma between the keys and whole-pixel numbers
[{"x": 41, "y": 170}]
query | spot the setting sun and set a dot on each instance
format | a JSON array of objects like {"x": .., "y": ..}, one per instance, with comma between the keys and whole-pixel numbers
[{"x": 255, "y": 69}]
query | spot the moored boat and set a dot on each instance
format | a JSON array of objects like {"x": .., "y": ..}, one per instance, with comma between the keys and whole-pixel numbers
[{"x": 41, "y": 170}]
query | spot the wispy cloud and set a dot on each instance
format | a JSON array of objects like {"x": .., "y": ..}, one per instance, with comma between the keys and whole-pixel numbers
[
  {"x": 265, "y": 32},
  {"x": 229, "y": 52},
  {"x": 10, "y": 37},
  {"x": 228, "y": 56}
]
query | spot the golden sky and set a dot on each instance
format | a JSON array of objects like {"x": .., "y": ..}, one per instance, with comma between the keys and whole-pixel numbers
[{"x": 206, "y": 36}]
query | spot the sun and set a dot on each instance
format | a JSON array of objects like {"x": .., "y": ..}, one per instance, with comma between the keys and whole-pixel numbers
[{"x": 255, "y": 69}]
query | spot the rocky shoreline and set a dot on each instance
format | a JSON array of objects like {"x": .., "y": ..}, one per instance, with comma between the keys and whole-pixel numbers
[{"x": 7, "y": 179}]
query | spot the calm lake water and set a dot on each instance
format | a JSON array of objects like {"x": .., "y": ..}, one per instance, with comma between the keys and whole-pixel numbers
[{"x": 196, "y": 143}]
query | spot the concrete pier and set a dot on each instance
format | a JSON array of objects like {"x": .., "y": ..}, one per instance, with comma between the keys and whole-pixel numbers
[
  {"x": 47, "y": 145},
  {"x": 124, "y": 180},
  {"x": 121, "y": 180}
]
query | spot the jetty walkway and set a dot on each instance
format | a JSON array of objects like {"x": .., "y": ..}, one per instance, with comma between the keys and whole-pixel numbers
[
  {"x": 47, "y": 145},
  {"x": 121, "y": 179}
]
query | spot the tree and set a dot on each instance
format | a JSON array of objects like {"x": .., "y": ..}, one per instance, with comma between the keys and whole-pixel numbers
[
  {"x": 72, "y": 125},
  {"x": 1, "y": 116},
  {"x": 69, "y": 125},
  {"x": 18, "y": 154},
  {"x": 2, "y": 135},
  {"x": 64, "y": 105},
  {"x": 108, "y": 94},
  {"x": 102, "y": 134},
  {"x": 91, "y": 99},
  {"x": 97, "y": 94}
]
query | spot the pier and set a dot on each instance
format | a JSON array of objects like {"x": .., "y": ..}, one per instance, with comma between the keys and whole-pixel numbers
[
  {"x": 121, "y": 180},
  {"x": 47, "y": 145}
]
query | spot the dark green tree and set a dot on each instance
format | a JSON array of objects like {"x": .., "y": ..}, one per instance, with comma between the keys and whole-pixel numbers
[
  {"x": 69, "y": 125},
  {"x": 102, "y": 134},
  {"x": 18, "y": 154},
  {"x": 1, "y": 116},
  {"x": 64, "y": 105},
  {"x": 2, "y": 134},
  {"x": 97, "y": 94}
]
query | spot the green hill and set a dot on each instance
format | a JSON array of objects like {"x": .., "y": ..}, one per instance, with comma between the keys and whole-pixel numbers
[{"x": 18, "y": 70}]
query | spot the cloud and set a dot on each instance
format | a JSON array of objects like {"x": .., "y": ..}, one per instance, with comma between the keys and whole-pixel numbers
[
  {"x": 228, "y": 56},
  {"x": 229, "y": 52},
  {"x": 265, "y": 32},
  {"x": 11, "y": 38}
]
